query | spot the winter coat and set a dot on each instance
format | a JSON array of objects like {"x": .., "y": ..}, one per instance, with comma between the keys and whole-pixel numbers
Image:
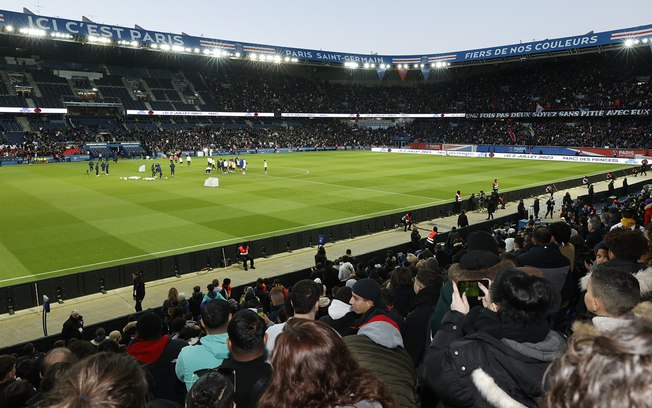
[
  {"x": 392, "y": 365},
  {"x": 554, "y": 265},
  {"x": 340, "y": 317},
  {"x": 157, "y": 358},
  {"x": 485, "y": 369},
  {"x": 415, "y": 330}
]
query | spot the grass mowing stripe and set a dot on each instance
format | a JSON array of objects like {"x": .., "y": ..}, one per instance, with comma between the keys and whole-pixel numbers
[{"x": 131, "y": 220}]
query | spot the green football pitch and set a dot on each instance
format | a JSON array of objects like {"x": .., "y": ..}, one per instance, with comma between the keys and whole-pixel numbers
[{"x": 56, "y": 219}]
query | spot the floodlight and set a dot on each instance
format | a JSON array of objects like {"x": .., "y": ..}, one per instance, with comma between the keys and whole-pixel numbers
[
  {"x": 206, "y": 51},
  {"x": 269, "y": 57},
  {"x": 176, "y": 48},
  {"x": 422, "y": 65},
  {"x": 416, "y": 65},
  {"x": 286, "y": 59},
  {"x": 155, "y": 46},
  {"x": 295, "y": 59},
  {"x": 165, "y": 47},
  {"x": 134, "y": 44},
  {"x": 637, "y": 41},
  {"x": 238, "y": 55},
  {"x": 366, "y": 65},
  {"x": 277, "y": 59},
  {"x": 373, "y": 65},
  {"x": 644, "y": 40},
  {"x": 196, "y": 50},
  {"x": 9, "y": 29},
  {"x": 628, "y": 42},
  {"x": 253, "y": 56}
]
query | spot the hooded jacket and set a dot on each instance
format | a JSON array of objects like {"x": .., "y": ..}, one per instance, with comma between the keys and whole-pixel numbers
[
  {"x": 554, "y": 265},
  {"x": 484, "y": 370},
  {"x": 210, "y": 353},
  {"x": 378, "y": 347},
  {"x": 340, "y": 317}
]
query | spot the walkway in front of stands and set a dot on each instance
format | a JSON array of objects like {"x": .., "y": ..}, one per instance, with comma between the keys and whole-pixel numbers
[{"x": 26, "y": 325}]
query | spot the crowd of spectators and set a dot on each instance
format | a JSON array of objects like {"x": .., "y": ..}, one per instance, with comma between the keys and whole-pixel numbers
[
  {"x": 586, "y": 83},
  {"x": 507, "y": 316},
  {"x": 614, "y": 133},
  {"x": 591, "y": 82}
]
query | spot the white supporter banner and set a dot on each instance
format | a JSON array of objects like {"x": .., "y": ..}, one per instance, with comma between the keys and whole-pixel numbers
[{"x": 549, "y": 157}]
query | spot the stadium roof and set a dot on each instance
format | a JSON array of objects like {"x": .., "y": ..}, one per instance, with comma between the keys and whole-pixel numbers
[{"x": 59, "y": 29}]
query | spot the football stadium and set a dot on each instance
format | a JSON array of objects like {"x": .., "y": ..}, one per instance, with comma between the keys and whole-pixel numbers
[{"x": 179, "y": 191}]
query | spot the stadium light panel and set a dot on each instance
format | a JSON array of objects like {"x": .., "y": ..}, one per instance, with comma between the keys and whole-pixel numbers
[
  {"x": 238, "y": 55},
  {"x": 9, "y": 29},
  {"x": 629, "y": 42},
  {"x": 416, "y": 65},
  {"x": 373, "y": 65},
  {"x": 33, "y": 32},
  {"x": 253, "y": 57},
  {"x": 422, "y": 65},
  {"x": 154, "y": 46},
  {"x": 366, "y": 65},
  {"x": 286, "y": 59},
  {"x": 277, "y": 59},
  {"x": 295, "y": 59},
  {"x": 636, "y": 41},
  {"x": 165, "y": 47}
]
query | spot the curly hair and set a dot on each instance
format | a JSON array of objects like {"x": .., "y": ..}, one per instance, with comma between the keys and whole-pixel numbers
[
  {"x": 603, "y": 369},
  {"x": 626, "y": 244},
  {"x": 212, "y": 390},
  {"x": 103, "y": 380},
  {"x": 314, "y": 368}
]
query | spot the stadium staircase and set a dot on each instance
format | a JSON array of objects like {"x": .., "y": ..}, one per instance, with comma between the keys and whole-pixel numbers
[
  {"x": 7, "y": 83},
  {"x": 24, "y": 123}
]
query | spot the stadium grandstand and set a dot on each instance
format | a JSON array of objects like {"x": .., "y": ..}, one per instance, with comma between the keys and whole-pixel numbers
[{"x": 74, "y": 92}]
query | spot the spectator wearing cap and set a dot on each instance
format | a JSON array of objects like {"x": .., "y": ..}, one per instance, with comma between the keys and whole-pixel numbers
[
  {"x": 304, "y": 299},
  {"x": 340, "y": 316},
  {"x": 427, "y": 285},
  {"x": 158, "y": 354},
  {"x": 215, "y": 317},
  {"x": 479, "y": 260}
]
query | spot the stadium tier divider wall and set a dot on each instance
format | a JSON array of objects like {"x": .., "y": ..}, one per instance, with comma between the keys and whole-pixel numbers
[
  {"x": 25, "y": 296},
  {"x": 287, "y": 279}
]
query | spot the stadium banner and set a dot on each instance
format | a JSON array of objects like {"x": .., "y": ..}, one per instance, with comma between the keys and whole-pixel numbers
[
  {"x": 581, "y": 113},
  {"x": 193, "y": 44},
  {"x": 34, "y": 110},
  {"x": 549, "y": 157},
  {"x": 371, "y": 115},
  {"x": 200, "y": 113}
]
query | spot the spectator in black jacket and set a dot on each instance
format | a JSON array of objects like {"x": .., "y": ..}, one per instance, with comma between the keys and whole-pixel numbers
[{"x": 427, "y": 285}]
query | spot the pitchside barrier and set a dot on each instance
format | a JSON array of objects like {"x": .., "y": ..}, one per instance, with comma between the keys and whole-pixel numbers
[
  {"x": 287, "y": 280},
  {"x": 27, "y": 295}
]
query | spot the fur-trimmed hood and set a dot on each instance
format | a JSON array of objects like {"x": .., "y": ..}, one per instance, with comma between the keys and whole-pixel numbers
[
  {"x": 601, "y": 324},
  {"x": 644, "y": 277},
  {"x": 457, "y": 273}
]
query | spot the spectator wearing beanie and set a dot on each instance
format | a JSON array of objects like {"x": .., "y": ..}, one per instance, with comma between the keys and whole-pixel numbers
[{"x": 366, "y": 302}]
